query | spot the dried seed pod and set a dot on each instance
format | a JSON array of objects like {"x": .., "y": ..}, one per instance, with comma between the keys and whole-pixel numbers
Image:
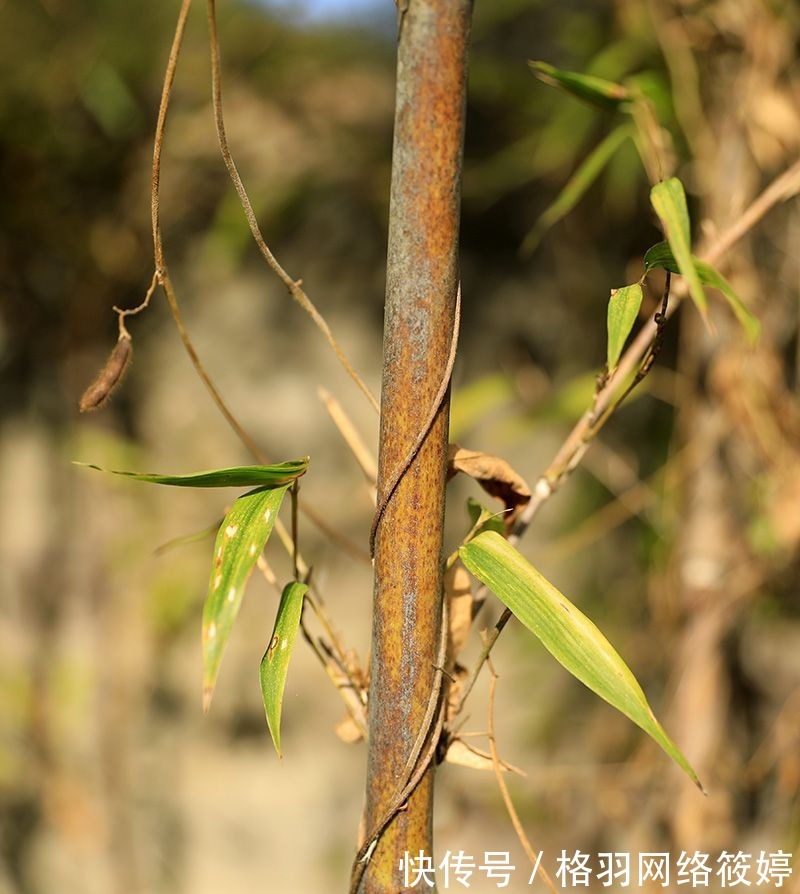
[{"x": 109, "y": 377}]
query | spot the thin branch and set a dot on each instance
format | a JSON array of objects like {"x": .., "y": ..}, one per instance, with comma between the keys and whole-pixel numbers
[
  {"x": 122, "y": 313},
  {"x": 158, "y": 142},
  {"x": 162, "y": 276},
  {"x": 351, "y": 436},
  {"x": 294, "y": 286}
]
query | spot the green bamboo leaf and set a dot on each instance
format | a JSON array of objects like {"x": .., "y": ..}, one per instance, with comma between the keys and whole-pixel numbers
[
  {"x": 577, "y": 185},
  {"x": 238, "y": 476},
  {"x": 275, "y": 663},
  {"x": 570, "y": 637},
  {"x": 597, "y": 91},
  {"x": 669, "y": 201},
  {"x": 241, "y": 538},
  {"x": 660, "y": 255},
  {"x": 623, "y": 309}
]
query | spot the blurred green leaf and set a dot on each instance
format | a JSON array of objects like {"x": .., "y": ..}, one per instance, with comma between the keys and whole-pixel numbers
[
  {"x": 275, "y": 663},
  {"x": 109, "y": 99},
  {"x": 594, "y": 90},
  {"x": 567, "y": 402},
  {"x": 669, "y": 201},
  {"x": 744, "y": 315},
  {"x": 570, "y": 637},
  {"x": 238, "y": 476},
  {"x": 660, "y": 255},
  {"x": 472, "y": 402},
  {"x": 623, "y": 309},
  {"x": 577, "y": 186},
  {"x": 186, "y": 539},
  {"x": 241, "y": 538}
]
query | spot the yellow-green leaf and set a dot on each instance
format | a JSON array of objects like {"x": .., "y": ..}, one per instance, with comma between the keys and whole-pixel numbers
[
  {"x": 623, "y": 309},
  {"x": 669, "y": 201},
  {"x": 570, "y": 637},
  {"x": 275, "y": 663},
  {"x": 241, "y": 538}
]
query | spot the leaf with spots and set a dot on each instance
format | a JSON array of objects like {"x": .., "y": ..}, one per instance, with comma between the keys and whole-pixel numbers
[
  {"x": 240, "y": 540},
  {"x": 238, "y": 476},
  {"x": 570, "y": 637},
  {"x": 275, "y": 663}
]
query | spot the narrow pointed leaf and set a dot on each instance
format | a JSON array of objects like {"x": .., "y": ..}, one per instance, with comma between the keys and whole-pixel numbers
[
  {"x": 241, "y": 538},
  {"x": 669, "y": 201},
  {"x": 238, "y": 476},
  {"x": 623, "y": 309},
  {"x": 275, "y": 663},
  {"x": 570, "y": 637},
  {"x": 577, "y": 186},
  {"x": 660, "y": 255},
  {"x": 597, "y": 91}
]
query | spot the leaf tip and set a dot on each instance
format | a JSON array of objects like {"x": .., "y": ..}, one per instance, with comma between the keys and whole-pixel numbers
[{"x": 208, "y": 693}]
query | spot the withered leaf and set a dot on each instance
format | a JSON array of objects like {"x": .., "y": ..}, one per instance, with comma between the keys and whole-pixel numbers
[
  {"x": 458, "y": 752},
  {"x": 494, "y": 475},
  {"x": 458, "y": 591}
]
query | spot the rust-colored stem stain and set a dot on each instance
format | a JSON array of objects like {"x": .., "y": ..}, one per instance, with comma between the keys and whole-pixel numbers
[{"x": 422, "y": 280}]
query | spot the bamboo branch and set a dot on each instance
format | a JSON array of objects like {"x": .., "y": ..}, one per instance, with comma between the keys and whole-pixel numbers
[{"x": 573, "y": 448}]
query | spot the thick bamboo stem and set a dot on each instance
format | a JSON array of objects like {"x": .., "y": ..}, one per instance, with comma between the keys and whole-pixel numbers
[{"x": 422, "y": 283}]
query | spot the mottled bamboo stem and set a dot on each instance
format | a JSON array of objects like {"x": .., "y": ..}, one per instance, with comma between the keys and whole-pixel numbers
[{"x": 422, "y": 281}]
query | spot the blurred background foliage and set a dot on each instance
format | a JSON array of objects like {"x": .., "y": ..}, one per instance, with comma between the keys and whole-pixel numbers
[{"x": 679, "y": 535}]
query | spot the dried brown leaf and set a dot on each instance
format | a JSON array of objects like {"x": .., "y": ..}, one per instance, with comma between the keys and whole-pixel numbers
[
  {"x": 494, "y": 475},
  {"x": 458, "y": 590},
  {"x": 463, "y": 755}
]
